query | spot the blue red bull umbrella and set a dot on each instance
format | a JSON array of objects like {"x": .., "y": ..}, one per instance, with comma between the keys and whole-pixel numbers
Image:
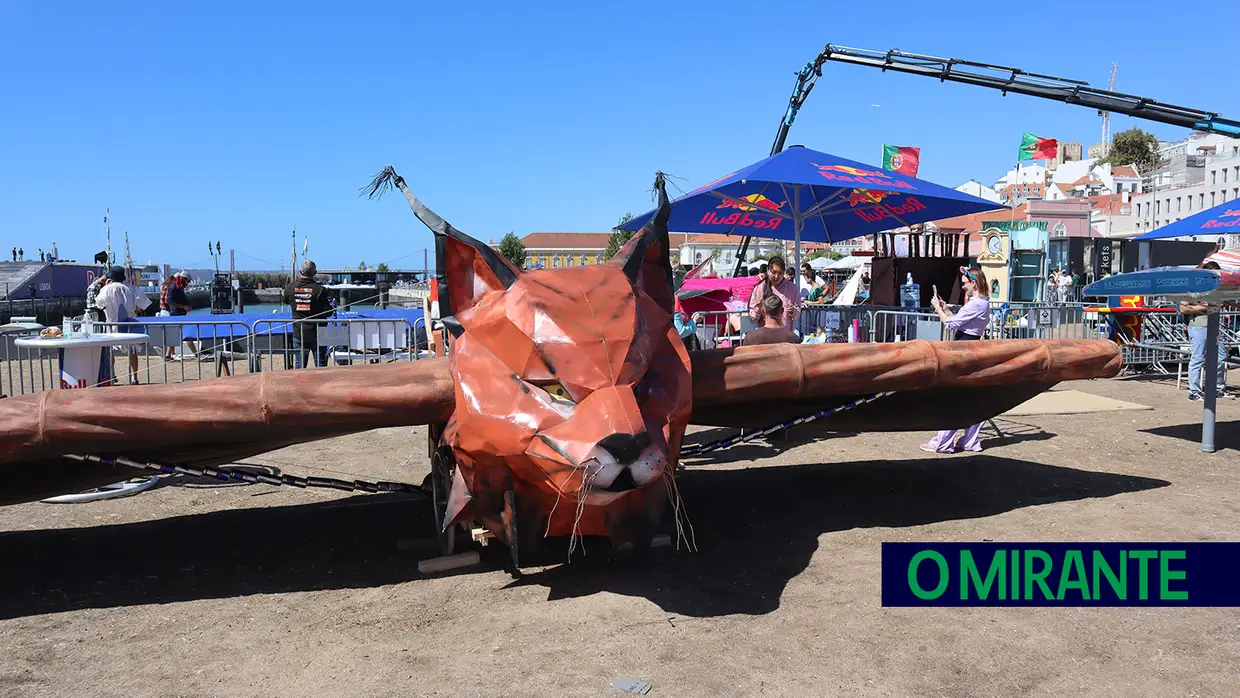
[
  {"x": 802, "y": 194},
  {"x": 1220, "y": 220}
]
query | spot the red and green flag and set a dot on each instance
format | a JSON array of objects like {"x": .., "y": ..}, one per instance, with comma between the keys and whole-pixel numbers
[
  {"x": 1034, "y": 148},
  {"x": 902, "y": 159}
]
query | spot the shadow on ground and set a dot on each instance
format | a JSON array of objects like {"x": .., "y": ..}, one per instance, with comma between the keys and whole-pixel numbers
[
  {"x": 1226, "y": 434},
  {"x": 755, "y": 529}
]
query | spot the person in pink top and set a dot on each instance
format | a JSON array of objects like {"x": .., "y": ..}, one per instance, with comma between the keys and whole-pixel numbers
[{"x": 777, "y": 283}]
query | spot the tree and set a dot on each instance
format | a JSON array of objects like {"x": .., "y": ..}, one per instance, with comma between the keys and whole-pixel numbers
[
  {"x": 618, "y": 237},
  {"x": 382, "y": 267},
  {"x": 512, "y": 249},
  {"x": 1134, "y": 147},
  {"x": 361, "y": 266}
]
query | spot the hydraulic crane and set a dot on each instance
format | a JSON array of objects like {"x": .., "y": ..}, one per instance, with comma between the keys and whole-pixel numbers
[{"x": 997, "y": 77}]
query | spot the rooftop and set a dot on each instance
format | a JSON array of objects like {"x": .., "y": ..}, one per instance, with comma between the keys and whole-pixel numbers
[{"x": 972, "y": 223}]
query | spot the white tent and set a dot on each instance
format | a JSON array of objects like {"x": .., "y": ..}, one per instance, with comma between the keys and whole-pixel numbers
[
  {"x": 820, "y": 263},
  {"x": 849, "y": 263}
]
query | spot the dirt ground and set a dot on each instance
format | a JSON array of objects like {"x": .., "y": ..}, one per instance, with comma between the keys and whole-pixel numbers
[{"x": 190, "y": 590}]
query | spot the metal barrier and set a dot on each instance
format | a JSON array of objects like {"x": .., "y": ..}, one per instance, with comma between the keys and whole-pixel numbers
[
  {"x": 164, "y": 359},
  {"x": 906, "y": 325},
  {"x": 839, "y": 323},
  {"x": 339, "y": 341},
  {"x": 24, "y": 369},
  {"x": 1049, "y": 322},
  {"x": 718, "y": 329}
]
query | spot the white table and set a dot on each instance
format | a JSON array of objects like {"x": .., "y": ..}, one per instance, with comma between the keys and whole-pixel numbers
[{"x": 84, "y": 361}]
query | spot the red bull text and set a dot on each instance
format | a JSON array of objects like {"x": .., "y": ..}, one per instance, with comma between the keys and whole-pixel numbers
[
  {"x": 882, "y": 211},
  {"x": 741, "y": 219},
  {"x": 1220, "y": 223}
]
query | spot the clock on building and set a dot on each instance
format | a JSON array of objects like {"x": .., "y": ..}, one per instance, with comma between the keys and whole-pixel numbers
[{"x": 994, "y": 243}]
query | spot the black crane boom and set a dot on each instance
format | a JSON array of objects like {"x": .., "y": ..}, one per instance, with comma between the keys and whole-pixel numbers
[{"x": 1002, "y": 78}]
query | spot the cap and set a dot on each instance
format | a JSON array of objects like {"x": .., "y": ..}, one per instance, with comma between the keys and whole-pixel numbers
[
  {"x": 181, "y": 274},
  {"x": 117, "y": 273}
]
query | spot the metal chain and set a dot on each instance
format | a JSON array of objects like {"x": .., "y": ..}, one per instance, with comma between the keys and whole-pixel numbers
[
  {"x": 242, "y": 476},
  {"x": 731, "y": 441}
]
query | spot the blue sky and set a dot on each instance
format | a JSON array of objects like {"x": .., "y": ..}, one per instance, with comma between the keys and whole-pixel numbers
[{"x": 196, "y": 121}]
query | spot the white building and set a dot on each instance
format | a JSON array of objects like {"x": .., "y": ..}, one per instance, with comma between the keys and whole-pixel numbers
[
  {"x": 981, "y": 191},
  {"x": 1022, "y": 174},
  {"x": 1221, "y": 175},
  {"x": 695, "y": 249}
]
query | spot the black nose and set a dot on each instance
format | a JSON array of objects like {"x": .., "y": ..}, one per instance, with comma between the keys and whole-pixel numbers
[{"x": 625, "y": 448}]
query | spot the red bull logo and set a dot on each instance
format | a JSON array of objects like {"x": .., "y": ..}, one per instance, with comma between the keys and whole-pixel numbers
[
  {"x": 881, "y": 211},
  {"x": 857, "y": 175},
  {"x": 1229, "y": 213},
  {"x": 757, "y": 200},
  {"x": 861, "y": 197}
]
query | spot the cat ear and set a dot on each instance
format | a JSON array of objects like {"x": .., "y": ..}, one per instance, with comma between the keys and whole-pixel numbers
[
  {"x": 465, "y": 268},
  {"x": 646, "y": 257}
]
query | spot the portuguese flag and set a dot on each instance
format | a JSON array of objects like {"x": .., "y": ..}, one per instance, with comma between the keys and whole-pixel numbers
[
  {"x": 902, "y": 159},
  {"x": 1034, "y": 148}
]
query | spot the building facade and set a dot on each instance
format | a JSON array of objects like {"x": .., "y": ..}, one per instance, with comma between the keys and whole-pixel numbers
[{"x": 556, "y": 250}]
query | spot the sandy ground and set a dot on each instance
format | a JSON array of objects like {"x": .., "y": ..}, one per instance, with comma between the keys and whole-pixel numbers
[{"x": 189, "y": 590}]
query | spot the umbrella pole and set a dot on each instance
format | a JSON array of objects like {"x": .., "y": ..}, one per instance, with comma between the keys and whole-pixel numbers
[{"x": 797, "y": 222}]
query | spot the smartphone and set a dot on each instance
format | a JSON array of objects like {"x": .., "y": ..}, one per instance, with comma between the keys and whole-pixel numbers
[{"x": 935, "y": 290}]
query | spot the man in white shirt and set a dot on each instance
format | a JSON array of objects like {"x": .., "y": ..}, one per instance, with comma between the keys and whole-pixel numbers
[{"x": 120, "y": 304}]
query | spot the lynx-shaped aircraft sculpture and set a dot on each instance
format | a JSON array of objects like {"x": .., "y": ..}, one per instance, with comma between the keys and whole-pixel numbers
[{"x": 563, "y": 403}]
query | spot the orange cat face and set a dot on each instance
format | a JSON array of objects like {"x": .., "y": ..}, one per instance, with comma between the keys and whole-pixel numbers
[{"x": 570, "y": 383}]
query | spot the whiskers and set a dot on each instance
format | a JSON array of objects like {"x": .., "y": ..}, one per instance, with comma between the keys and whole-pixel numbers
[{"x": 678, "y": 511}]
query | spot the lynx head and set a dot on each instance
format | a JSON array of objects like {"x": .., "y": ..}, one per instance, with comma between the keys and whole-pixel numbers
[{"x": 567, "y": 380}]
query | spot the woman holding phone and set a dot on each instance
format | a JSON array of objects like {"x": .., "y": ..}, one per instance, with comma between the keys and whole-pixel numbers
[{"x": 968, "y": 323}]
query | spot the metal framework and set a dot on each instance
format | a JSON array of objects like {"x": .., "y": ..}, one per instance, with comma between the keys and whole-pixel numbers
[{"x": 998, "y": 77}]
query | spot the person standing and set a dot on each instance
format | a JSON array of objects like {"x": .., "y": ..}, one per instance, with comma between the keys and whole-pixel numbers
[
  {"x": 120, "y": 304},
  {"x": 21, "y": 255},
  {"x": 1196, "y": 313},
  {"x": 175, "y": 302},
  {"x": 775, "y": 283},
  {"x": 14, "y": 254},
  {"x": 310, "y": 301},
  {"x": 968, "y": 323}
]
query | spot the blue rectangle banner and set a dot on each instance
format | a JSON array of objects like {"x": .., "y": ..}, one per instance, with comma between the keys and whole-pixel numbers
[{"x": 1061, "y": 574}]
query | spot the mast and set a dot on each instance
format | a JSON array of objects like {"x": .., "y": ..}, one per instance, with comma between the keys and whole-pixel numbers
[
  {"x": 293, "y": 270},
  {"x": 128, "y": 260},
  {"x": 107, "y": 215}
]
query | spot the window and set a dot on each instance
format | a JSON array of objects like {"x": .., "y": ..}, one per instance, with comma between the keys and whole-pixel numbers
[
  {"x": 1211, "y": 198},
  {"x": 1157, "y": 208},
  {"x": 1224, "y": 175},
  {"x": 1190, "y": 202},
  {"x": 1237, "y": 171},
  {"x": 1213, "y": 176},
  {"x": 697, "y": 258},
  {"x": 1177, "y": 204},
  {"x": 1201, "y": 200}
]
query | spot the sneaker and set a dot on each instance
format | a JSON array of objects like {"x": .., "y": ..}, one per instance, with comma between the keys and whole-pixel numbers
[
  {"x": 931, "y": 449},
  {"x": 1195, "y": 397}
]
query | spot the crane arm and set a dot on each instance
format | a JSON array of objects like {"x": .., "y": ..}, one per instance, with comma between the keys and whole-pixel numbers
[
  {"x": 1016, "y": 80},
  {"x": 1002, "y": 78}
]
